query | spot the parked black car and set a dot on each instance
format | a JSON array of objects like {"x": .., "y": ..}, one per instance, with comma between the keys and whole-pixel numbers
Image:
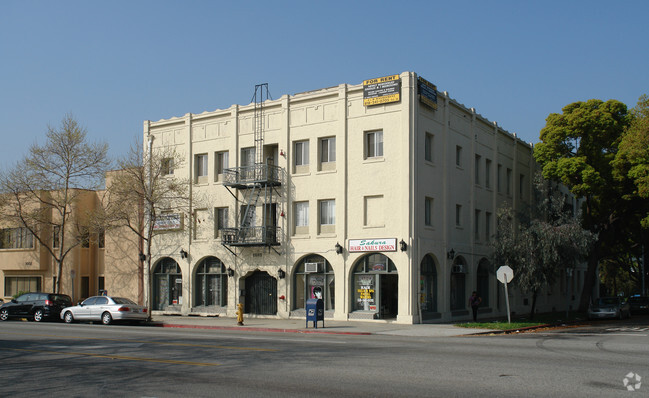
[
  {"x": 37, "y": 306},
  {"x": 639, "y": 305}
]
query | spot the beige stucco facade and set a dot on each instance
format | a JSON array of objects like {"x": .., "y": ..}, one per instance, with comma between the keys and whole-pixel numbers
[{"x": 432, "y": 186}]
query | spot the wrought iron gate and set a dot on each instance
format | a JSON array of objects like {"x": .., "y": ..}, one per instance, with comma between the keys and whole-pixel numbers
[{"x": 261, "y": 294}]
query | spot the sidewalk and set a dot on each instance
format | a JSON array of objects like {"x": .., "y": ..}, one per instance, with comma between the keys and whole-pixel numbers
[{"x": 299, "y": 326}]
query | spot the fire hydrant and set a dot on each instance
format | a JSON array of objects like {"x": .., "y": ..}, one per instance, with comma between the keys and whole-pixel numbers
[{"x": 240, "y": 314}]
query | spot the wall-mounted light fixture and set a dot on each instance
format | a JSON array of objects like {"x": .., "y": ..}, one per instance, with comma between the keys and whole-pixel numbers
[
  {"x": 451, "y": 254},
  {"x": 183, "y": 253},
  {"x": 281, "y": 274},
  {"x": 403, "y": 245},
  {"x": 339, "y": 249},
  {"x": 142, "y": 257},
  {"x": 230, "y": 272}
]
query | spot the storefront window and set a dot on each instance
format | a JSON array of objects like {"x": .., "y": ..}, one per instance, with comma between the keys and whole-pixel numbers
[
  {"x": 211, "y": 286},
  {"x": 428, "y": 285},
  {"x": 314, "y": 278},
  {"x": 459, "y": 299},
  {"x": 375, "y": 285},
  {"x": 167, "y": 284}
]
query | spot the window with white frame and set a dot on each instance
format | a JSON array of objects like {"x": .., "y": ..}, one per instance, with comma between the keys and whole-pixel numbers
[
  {"x": 499, "y": 181},
  {"x": 221, "y": 219},
  {"x": 374, "y": 144},
  {"x": 428, "y": 212},
  {"x": 458, "y": 156},
  {"x": 428, "y": 147},
  {"x": 327, "y": 212},
  {"x": 301, "y": 153},
  {"x": 247, "y": 156},
  {"x": 328, "y": 150},
  {"x": 301, "y": 217},
  {"x": 458, "y": 215},
  {"x": 508, "y": 181},
  {"x": 221, "y": 162},
  {"x": 476, "y": 225},
  {"x": 477, "y": 169},
  {"x": 487, "y": 226},
  {"x": 201, "y": 167},
  {"x": 167, "y": 166},
  {"x": 16, "y": 238}
]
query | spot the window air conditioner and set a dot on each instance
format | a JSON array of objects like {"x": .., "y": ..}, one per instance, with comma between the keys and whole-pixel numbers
[{"x": 311, "y": 267}]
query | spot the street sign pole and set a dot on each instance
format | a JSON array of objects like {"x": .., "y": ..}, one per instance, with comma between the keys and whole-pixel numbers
[
  {"x": 505, "y": 274},
  {"x": 509, "y": 319}
]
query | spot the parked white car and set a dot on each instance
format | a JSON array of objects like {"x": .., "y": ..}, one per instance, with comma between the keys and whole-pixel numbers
[{"x": 105, "y": 309}]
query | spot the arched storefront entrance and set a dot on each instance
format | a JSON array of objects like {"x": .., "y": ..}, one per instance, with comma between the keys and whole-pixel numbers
[
  {"x": 210, "y": 284},
  {"x": 459, "y": 299},
  {"x": 167, "y": 285},
  {"x": 261, "y": 294},
  {"x": 482, "y": 282},
  {"x": 375, "y": 286},
  {"x": 428, "y": 287},
  {"x": 313, "y": 278}
]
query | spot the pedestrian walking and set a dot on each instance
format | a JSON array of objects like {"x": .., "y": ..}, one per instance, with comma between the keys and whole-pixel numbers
[{"x": 474, "y": 302}]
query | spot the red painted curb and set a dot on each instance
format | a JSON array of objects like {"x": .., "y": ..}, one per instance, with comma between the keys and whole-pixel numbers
[{"x": 253, "y": 329}]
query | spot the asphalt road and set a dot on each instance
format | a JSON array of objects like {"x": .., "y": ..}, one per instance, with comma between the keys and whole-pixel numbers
[{"x": 83, "y": 360}]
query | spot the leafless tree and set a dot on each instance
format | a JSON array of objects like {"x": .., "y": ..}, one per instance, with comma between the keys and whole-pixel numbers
[{"x": 42, "y": 191}]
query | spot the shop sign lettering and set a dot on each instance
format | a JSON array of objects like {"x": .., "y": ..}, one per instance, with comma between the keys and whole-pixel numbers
[{"x": 372, "y": 245}]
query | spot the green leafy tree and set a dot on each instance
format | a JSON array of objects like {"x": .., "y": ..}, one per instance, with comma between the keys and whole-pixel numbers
[
  {"x": 577, "y": 148},
  {"x": 540, "y": 243},
  {"x": 41, "y": 191}
]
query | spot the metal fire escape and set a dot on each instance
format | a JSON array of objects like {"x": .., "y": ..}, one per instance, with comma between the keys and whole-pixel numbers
[{"x": 256, "y": 184}]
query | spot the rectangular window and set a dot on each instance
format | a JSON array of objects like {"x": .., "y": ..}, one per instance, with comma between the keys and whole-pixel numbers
[
  {"x": 499, "y": 182},
  {"x": 477, "y": 169},
  {"x": 200, "y": 167},
  {"x": 328, "y": 150},
  {"x": 56, "y": 236},
  {"x": 85, "y": 286},
  {"x": 521, "y": 185},
  {"x": 487, "y": 173},
  {"x": 487, "y": 226},
  {"x": 16, "y": 238},
  {"x": 374, "y": 144},
  {"x": 508, "y": 181},
  {"x": 428, "y": 212},
  {"x": 84, "y": 237},
  {"x": 327, "y": 212},
  {"x": 476, "y": 225},
  {"x": 428, "y": 147},
  {"x": 15, "y": 284},
  {"x": 221, "y": 162},
  {"x": 458, "y": 156},
  {"x": 301, "y": 215},
  {"x": 167, "y": 166},
  {"x": 221, "y": 219},
  {"x": 101, "y": 238},
  {"x": 247, "y": 156},
  {"x": 248, "y": 215},
  {"x": 100, "y": 284},
  {"x": 301, "y": 153},
  {"x": 458, "y": 215}
]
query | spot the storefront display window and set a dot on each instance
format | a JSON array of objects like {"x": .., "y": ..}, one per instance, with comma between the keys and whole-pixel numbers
[
  {"x": 375, "y": 285},
  {"x": 314, "y": 278}
]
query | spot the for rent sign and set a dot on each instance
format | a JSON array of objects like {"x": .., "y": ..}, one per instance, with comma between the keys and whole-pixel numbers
[{"x": 372, "y": 245}]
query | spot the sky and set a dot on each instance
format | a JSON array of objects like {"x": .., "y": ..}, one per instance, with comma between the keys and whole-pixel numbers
[{"x": 115, "y": 64}]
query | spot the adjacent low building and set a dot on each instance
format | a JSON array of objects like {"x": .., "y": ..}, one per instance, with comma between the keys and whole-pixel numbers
[{"x": 379, "y": 198}]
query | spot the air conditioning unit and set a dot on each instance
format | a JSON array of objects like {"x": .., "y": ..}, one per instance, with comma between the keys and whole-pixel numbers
[
  {"x": 458, "y": 269},
  {"x": 311, "y": 267}
]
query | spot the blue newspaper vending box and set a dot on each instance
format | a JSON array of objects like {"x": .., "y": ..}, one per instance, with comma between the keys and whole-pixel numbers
[{"x": 314, "y": 312}]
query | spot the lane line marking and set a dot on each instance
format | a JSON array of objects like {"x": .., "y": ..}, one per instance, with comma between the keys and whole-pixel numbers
[{"x": 122, "y": 357}]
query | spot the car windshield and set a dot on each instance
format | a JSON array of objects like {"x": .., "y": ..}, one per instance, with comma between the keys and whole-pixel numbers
[
  {"x": 608, "y": 301},
  {"x": 121, "y": 300}
]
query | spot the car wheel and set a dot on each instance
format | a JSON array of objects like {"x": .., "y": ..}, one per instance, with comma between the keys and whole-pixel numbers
[
  {"x": 68, "y": 318},
  {"x": 4, "y": 315},
  {"x": 106, "y": 319},
  {"x": 38, "y": 315}
]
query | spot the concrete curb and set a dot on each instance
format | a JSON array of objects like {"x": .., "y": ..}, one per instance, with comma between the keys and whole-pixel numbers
[{"x": 255, "y": 329}]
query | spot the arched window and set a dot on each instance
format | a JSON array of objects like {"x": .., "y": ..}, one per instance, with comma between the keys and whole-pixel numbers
[
  {"x": 375, "y": 286},
  {"x": 314, "y": 278},
  {"x": 211, "y": 284},
  {"x": 167, "y": 284},
  {"x": 428, "y": 285},
  {"x": 482, "y": 282}
]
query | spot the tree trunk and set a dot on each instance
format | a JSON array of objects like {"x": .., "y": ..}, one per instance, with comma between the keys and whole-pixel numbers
[
  {"x": 534, "y": 295},
  {"x": 590, "y": 278}
]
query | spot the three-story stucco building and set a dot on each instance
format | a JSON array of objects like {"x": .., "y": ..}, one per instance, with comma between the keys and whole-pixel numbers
[{"x": 379, "y": 198}]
